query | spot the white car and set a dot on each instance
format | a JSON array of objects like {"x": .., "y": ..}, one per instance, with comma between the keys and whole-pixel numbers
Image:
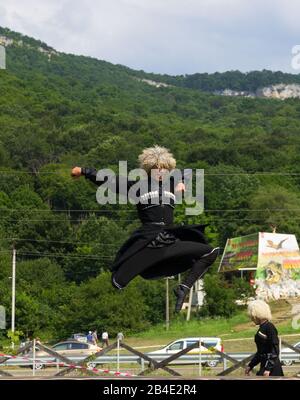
[
  {"x": 68, "y": 348},
  {"x": 209, "y": 344},
  {"x": 80, "y": 337},
  {"x": 285, "y": 350}
]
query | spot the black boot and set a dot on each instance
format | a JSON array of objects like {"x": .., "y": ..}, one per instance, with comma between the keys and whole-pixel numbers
[
  {"x": 114, "y": 283},
  {"x": 180, "y": 292}
]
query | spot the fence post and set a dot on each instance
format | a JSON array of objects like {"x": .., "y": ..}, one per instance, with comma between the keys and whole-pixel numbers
[
  {"x": 118, "y": 355},
  {"x": 188, "y": 315},
  {"x": 280, "y": 348},
  {"x": 224, "y": 363},
  {"x": 200, "y": 357},
  {"x": 33, "y": 362},
  {"x": 142, "y": 364}
]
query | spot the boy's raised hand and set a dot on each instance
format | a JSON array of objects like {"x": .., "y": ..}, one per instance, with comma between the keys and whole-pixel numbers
[
  {"x": 76, "y": 172},
  {"x": 180, "y": 187}
]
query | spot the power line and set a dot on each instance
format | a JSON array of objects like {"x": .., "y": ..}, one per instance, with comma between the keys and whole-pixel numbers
[
  {"x": 53, "y": 241},
  {"x": 62, "y": 220},
  {"x": 211, "y": 220},
  {"x": 254, "y": 174},
  {"x": 66, "y": 210},
  {"x": 128, "y": 210},
  {"x": 260, "y": 221},
  {"x": 92, "y": 257},
  {"x": 253, "y": 210},
  {"x": 86, "y": 256},
  {"x": 259, "y": 173},
  {"x": 17, "y": 172}
]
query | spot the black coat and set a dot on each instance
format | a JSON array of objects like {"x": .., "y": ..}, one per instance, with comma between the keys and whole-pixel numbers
[
  {"x": 156, "y": 218},
  {"x": 142, "y": 236},
  {"x": 267, "y": 354}
]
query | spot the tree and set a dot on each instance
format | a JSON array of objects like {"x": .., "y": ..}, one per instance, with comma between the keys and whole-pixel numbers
[
  {"x": 219, "y": 298},
  {"x": 274, "y": 205},
  {"x": 100, "y": 306}
]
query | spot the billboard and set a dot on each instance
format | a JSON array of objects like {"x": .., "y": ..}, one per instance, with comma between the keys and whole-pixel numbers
[
  {"x": 275, "y": 257},
  {"x": 278, "y": 268},
  {"x": 240, "y": 253}
]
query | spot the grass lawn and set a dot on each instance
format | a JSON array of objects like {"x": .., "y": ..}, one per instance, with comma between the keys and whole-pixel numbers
[{"x": 231, "y": 330}]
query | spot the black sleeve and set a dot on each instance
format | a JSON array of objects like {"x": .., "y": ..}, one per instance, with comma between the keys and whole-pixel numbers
[
  {"x": 91, "y": 174},
  {"x": 255, "y": 360},
  {"x": 272, "y": 335}
]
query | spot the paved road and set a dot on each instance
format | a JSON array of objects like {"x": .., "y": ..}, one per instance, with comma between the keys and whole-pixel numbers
[{"x": 190, "y": 371}]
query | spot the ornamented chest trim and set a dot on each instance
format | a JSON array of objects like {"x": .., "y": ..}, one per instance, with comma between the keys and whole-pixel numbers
[{"x": 155, "y": 194}]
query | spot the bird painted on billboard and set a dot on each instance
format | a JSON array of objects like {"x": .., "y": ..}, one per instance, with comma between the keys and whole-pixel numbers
[{"x": 274, "y": 245}]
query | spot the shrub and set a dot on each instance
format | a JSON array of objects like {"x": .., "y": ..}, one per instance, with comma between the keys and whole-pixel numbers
[{"x": 219, "y": 297}]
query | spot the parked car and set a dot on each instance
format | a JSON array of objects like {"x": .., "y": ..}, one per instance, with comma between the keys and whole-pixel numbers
[
  {"x": 209, "y": 344},
  {"x": 69, "y": 348},
  {"x": 288, "y": 350},
  {"x": 81, "y": 337}
]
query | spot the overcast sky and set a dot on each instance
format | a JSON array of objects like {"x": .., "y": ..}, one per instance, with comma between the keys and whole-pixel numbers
[{"x": 165, "y": 36}]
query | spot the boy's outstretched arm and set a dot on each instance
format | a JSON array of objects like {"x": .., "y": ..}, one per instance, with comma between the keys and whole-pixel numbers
[{"x": 88, "y": 173}]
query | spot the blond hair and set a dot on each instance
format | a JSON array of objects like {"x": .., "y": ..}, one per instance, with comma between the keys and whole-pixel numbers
[
  {"x": 260, "y": 310},
  {"x": 156, "y": 157}
]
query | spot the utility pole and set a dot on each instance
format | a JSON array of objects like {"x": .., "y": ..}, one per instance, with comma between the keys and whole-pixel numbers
[
  {"x": 167, "y": 305},
  {"x": 13, "y": 299},
  {"x": 168, "y": 302},
  {"x": 188, "y": 315}
]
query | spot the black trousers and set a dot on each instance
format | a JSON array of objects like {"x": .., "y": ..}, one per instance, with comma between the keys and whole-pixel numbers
[{"x": 169, "y": 260}]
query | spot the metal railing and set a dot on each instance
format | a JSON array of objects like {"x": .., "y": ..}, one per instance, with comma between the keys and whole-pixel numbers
[{"x": 148, "y": 362}]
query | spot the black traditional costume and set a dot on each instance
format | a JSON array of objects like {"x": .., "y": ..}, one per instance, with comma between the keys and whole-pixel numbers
[
  {"x": 158, "y": 248},
  {"x": 267, "y": 354}
]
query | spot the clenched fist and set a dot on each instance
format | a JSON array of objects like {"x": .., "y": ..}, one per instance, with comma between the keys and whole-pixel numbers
[
  {"x": 180, "y": 187},
  {"x": 76, "y": 172}
]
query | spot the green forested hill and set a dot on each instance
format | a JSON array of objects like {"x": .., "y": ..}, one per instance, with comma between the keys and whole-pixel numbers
[
  {"x": 234, "y": 80},
  {"x": 59, "y": 110}
]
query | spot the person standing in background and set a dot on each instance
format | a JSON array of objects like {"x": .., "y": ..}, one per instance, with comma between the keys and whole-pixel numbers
[
  {"x": 90, "y": 337},
  {"x": 105, "y": 339},
  {"x": 95, "y": 337},
  {"x": 266, "y": 340}
]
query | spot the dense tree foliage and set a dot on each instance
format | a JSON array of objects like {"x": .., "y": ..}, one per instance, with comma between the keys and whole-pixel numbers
[
  {"x": 234, "y": 80},
  {"x": 66, "y": 110}
]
